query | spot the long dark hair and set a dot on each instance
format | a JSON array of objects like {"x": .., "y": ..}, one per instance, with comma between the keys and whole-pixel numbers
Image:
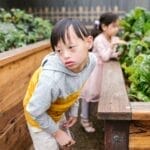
[{"x": 105, "y": 19}]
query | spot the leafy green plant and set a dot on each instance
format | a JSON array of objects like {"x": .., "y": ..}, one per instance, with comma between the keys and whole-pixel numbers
[
  {"x": 135, "y": 59},
  {"x": 139, "y": 78},
  {"x": 18, "y": 28}
]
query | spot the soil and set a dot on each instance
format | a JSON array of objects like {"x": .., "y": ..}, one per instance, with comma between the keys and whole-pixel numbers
[{"x": 89, "y": 141}]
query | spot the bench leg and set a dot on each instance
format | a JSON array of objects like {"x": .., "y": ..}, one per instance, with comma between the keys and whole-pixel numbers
[{"x": 116, "y": 135}]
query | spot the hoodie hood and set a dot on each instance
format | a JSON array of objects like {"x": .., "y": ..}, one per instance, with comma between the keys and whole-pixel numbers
[{"x": 53, "y": 63}]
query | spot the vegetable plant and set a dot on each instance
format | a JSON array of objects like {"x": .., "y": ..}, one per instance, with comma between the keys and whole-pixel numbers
[
  {"x": 18, "y": 28},
  {"x": 135, "y": 59}
]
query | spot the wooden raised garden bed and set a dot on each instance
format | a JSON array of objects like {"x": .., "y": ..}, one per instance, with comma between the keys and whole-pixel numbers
[
  {"x": 16, "y": 68},
  {"x": 126, "y": 124}
]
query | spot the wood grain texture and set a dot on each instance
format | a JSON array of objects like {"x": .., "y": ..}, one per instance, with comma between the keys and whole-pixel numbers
[
  {"x": 139, "y": 138},
  {"x": 116, "y": 135},
  {"x": 140, "y": 110},
  {"x": 114, "y": 103},
  {"x": 16, "y": 137},
  {"x": 18, "y": 53},
  {"x": 15, "y": 77},
  {"x": 7, "y": 118},
  {"x": 16, "y": 68}
]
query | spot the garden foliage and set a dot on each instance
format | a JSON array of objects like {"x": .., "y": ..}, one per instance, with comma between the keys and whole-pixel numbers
[
  {"x": 135, "y": 59},
  {"x": 18, "y": 28}
]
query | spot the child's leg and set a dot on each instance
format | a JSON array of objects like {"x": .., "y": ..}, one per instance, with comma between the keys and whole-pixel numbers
[
  {"x": 84, "y": 109},
  {"x": 87, "y": 125},
  {"x": 42, "y": 140}
]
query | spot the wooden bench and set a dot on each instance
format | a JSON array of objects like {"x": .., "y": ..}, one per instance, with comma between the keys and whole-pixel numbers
[{"x": 119, "y": 114}]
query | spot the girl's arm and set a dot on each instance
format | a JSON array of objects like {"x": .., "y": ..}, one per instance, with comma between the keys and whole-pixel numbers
[
  {"x": 102, "y": 51},
  {"x": 105, "y": 51},
  {"x": 116, "y": 41}
]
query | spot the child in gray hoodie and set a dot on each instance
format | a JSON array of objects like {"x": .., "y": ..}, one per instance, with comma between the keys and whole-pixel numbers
[{"x": 55, "y": 86}]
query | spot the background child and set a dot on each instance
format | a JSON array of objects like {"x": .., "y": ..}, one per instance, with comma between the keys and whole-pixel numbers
[
  {"x": 56, "y": 85},
  {"x": 105, "y": 48}
]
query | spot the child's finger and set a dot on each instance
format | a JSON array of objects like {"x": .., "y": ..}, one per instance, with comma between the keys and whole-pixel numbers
[
  {"x": 70, "y": 143},
  {"x": 71, "y": 123}
]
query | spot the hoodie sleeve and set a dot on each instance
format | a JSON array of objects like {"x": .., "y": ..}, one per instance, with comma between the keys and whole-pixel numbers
[{"x": 45, "y": 92}]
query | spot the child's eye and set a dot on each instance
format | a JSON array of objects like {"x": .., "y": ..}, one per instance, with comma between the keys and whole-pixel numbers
[
  {"x": 58, "y": 51},
  {"x": 70, "y": 47}
]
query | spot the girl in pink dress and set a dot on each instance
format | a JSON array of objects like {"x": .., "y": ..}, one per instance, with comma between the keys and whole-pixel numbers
[{"x": 104, "y": 48}]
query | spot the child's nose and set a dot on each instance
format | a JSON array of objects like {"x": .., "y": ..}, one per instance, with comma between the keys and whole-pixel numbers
[{"x": 66, "y": 54}]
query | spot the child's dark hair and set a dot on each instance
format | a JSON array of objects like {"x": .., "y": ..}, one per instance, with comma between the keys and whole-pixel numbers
[
  {"x": 105, "y": 19},
  {"x": 61, "y": 29}
]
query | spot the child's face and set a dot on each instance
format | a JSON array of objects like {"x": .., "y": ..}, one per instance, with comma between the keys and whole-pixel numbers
[
  {"x": 112, "y": 29},
  {"x": 74, "y": 52}
]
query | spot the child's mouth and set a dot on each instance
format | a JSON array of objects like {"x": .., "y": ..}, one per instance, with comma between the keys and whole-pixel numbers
[{"x": 69, "y": 63}]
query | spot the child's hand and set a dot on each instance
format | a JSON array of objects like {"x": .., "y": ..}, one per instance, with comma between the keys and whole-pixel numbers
[
  {"x": 63, "y": 138},
  {"x": 119, "y": 42},
  {"x": 70, "y": 122},
  {"x": 115, "y": 43},
  {"x": 116, "y": 54}
]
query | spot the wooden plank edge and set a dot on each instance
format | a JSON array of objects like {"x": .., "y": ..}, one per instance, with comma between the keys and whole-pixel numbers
[
  {"x": 140, "y": 110},
  {"x": 114, "y": 116},
  {"x": 21, "y": 52}
]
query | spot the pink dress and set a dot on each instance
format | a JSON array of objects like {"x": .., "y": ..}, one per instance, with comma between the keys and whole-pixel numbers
[{"x": 103, "y": 51}]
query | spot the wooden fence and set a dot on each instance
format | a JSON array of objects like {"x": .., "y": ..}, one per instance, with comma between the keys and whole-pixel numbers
[{"x": 84, "y": 14}]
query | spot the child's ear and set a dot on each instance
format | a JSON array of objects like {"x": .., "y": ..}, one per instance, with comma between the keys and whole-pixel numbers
[
  {"x": 103, "y": 27},
  {"x": 89, "y": 41}
]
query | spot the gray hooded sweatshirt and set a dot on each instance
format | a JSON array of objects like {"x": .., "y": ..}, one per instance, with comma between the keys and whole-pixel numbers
[{"x": 56, "y": 91}]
